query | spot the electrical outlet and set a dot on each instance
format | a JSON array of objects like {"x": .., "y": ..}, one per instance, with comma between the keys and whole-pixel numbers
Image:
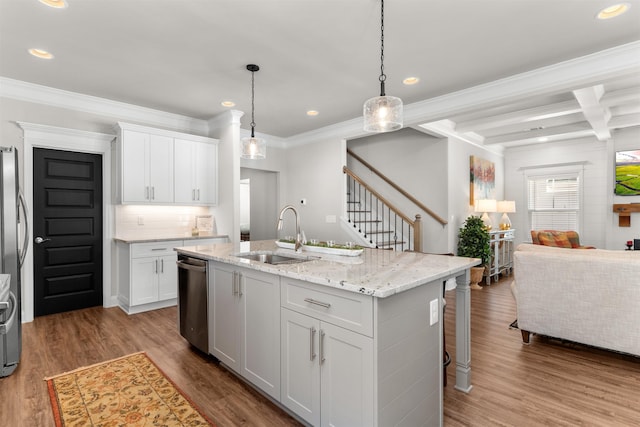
[
  {"x": 140, "y": 220},
  {"x": 433, "y": 312},
  {"x": 330, "y": 219}
]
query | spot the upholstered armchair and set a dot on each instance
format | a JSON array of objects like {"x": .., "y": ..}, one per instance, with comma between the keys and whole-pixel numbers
[{"x": 558, "y": 239}]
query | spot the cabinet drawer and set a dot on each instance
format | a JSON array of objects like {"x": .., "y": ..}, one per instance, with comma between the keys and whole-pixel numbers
[
  {"x": 342, "y": 308},
  {"x": 154, "y": 248}
]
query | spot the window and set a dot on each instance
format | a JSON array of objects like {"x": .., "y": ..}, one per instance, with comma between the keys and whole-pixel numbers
[{"x": 554, "y": 201}]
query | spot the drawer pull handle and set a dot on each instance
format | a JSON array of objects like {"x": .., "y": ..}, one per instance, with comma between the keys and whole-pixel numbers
[
  {"x": 320, "y": 303},
  {"x": 158, "y": 249}
]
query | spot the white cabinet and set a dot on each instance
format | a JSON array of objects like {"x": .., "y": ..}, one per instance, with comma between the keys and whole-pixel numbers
[
  {"x": 327, "y": 370},
  {"x": 147, "y": 275},
  {"x": 244, "y": 329},
  {"x": 164, "y": 167},
  {"x": 147, "y": 168},
  {"x": 196, "y": 180}
]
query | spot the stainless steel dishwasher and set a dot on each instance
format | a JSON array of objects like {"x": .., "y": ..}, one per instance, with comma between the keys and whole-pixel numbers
[{"x": 192, "y": 301}]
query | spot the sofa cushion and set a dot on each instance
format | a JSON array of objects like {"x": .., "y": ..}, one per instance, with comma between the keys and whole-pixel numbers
[{"x": 555, "y": 239}]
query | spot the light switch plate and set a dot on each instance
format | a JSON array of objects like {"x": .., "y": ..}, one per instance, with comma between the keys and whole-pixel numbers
[
  {"x": 433, "y": 312},
  {"x": 330, "y": 219}
]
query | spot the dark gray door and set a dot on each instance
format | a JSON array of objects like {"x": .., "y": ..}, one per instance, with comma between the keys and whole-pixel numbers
[{"x": 67, "y": 230}]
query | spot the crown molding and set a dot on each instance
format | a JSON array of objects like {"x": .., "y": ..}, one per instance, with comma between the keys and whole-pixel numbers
[{"x": 38, "y": 94}]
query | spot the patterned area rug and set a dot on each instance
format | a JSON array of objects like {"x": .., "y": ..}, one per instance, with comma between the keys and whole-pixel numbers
[{"x": 129, "y": 391}]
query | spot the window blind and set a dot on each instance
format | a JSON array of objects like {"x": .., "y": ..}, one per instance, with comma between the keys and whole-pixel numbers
[{"x": 554, "y": 202}]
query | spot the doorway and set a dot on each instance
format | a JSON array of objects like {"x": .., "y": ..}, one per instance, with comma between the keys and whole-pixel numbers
[
  {"x": 261, "y": 188},
  {"x": 67, "y": 230}
]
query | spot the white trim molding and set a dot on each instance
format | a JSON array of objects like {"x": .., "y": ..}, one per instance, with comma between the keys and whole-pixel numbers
[{"x": 44, "y": 136}]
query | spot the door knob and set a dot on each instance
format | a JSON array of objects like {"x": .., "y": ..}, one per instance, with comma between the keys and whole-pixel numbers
[{"x": 39, "y": 240}]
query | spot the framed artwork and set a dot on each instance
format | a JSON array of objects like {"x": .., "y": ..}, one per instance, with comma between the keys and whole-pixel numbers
[
  {"x": 482, "y": 175},
  {"x": 627, "y": 173}
]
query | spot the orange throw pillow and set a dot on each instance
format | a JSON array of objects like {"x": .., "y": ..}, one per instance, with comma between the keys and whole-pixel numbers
[{"x": 557, "y": 240}]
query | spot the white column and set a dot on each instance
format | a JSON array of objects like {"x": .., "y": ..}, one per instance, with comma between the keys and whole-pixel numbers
[{"x": 463, "y": 333}]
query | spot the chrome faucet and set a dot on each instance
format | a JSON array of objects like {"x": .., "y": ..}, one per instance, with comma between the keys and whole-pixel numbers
[{"x": 298, "y": 244}]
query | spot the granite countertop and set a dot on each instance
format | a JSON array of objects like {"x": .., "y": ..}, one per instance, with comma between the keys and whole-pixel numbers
[
  {"x": 141, "y": 238},
  {"x": 379, "y": 273}
]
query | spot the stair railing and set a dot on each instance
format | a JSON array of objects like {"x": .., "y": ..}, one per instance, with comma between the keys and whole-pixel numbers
[
  {"x": 417, "y": 202},
  {"x": 378, "y": 219}
]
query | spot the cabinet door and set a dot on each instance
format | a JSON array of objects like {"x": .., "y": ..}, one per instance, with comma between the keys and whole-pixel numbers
[
  {"x": 184, "y": 172},
  {"x": 144, "y": 280},
  {"x": 300, "y": 365},
  {"x": 260, "y": 302},
  {"x": 224, "y": 331},
  {"x": 161, "y": 169},
  {"x": 206, "y": 178},
  {"x": 346, "y": 360},
  {"x": 167, "y": 277},
  {"x": 135, "y": 167}
]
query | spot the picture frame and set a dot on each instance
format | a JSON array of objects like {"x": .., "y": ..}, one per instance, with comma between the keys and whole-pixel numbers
[
  {"x": 482, "y": 177},
  {"x": 627, "y": 173}
]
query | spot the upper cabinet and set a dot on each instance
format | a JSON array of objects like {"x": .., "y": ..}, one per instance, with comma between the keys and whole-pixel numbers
[
  {"x": 197, "y": 180},
  {"x": 156, "y": 166}
]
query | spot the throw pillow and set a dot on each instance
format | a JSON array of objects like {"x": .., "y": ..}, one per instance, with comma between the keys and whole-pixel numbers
[{"x": 555, "y": 240}]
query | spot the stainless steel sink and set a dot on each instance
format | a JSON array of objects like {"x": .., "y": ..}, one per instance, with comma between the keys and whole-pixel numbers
[{"x": 274, "y": 259}]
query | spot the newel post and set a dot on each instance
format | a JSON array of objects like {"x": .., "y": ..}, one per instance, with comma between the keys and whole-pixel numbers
[{"x": 417, "y": 234}]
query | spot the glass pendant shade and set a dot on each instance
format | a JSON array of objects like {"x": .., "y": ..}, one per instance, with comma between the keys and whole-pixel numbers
[
  {"x": 253, "y": 148},
  {"x": 382, "y": 114}
]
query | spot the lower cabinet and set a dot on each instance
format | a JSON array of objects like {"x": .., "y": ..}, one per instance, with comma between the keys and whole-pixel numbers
[
  {"x": 244, "y": 329},
  {"x": 147, "y": 275},
  {"x": 327, "y": 372}
]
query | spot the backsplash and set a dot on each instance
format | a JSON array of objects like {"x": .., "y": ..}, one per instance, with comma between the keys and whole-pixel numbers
[{"x": 146, "y": 220}]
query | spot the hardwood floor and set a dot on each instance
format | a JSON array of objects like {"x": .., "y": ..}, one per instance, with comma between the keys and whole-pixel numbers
[{"x": 546, "y": 383}]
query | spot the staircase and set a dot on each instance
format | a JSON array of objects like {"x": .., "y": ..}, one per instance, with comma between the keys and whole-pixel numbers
[{"x": 377, "y": 222}]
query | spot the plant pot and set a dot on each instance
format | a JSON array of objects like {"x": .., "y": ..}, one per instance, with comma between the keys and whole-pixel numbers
[{"x": 477, "y": 274}]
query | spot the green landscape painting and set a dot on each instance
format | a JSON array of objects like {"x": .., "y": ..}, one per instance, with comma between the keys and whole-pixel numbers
[{"x": 628, "y": 173}]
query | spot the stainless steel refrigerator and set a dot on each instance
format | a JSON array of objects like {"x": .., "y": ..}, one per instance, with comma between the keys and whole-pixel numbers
[{"x": 12, "y": 204}]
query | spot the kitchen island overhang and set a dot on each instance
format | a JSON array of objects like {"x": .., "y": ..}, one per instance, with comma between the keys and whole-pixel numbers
[{"x": 400, "y": 284}]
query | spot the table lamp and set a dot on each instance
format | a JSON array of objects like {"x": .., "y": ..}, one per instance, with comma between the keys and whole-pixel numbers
[
  {"x": 484, "y": 206},
  {"x": 506, "y": 206}
]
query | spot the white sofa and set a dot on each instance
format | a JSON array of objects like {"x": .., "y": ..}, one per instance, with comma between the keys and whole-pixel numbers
[{"x": 590, "y": 296}]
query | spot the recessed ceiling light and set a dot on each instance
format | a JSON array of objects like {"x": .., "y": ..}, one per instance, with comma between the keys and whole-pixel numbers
[
  {"x": 613, "y": 11},
  {"x": 40, "y": 53},
  {"x": 58, "y": 4},
  {"x": 228, "y": 104},
  {"x": 411, "y": 80},
  {"x": 312, "y": 113}
]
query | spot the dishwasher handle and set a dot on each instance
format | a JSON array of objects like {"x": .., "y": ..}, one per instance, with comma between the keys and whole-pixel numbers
[{"x": 187, "y": 266}]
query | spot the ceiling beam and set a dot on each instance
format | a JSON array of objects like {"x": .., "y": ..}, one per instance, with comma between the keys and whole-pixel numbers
[
  {"x": 597, "y": 115},
  {"x": 521, "y": 116},
  {"x": 544, "y": 135}
]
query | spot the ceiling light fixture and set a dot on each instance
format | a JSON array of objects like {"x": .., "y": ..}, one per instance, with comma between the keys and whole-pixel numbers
[
  {"x": 382, "y": 113},
  {"x": 252, "y": 147},
  {"x": 40, "y": 53},
  {"x": 228, "y": 104},
  {"x": 58, "y": 4},
  {"x": 613, "y": 11},
  {"x": 312, "y": 113},
  {"x": 411, "y": 81}
]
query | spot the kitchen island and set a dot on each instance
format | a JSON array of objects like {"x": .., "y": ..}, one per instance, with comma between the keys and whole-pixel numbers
[{"x": 337, "y": 339}]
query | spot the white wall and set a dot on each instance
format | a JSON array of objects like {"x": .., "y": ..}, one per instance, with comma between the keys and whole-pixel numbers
[
  {"x": 415, "y": 161},
  {"x": 624, "y": 139},
  {"x": 316, "y": 175},
  {"x": 264, "y": 202},
  {"x": 459, "y": 185},
  {"x": 595, "y": 160}
]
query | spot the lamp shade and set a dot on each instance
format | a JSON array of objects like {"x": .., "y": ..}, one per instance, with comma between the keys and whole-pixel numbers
[
  {"x": 382, "y": 114},
  {"x": 507, "y": 206},
  {"x": 253, "y": 148},
  {"x": 486, "y": 205}
]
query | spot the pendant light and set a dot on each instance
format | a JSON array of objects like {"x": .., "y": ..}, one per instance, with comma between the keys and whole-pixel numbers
[
  {"x": 382, "y": 113},
  {"x": 253, "y": 147}
]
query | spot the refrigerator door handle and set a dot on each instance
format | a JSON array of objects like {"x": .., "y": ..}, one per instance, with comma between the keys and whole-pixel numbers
[
  {"x": 25, "y": 242},
  {"x": 4, "y": 327}
]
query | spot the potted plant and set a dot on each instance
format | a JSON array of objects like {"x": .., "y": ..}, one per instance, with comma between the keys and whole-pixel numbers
[{"x": 474, "y": 243}]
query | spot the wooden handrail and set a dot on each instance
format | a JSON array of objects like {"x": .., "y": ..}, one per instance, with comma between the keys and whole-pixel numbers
[
  {"x": 378, "y": 195},
  {"x": 416, "y": 224},
  {"x": 398, "y": 188}
]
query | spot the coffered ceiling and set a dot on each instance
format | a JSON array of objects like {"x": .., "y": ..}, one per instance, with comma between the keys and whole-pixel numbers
[{"x": 186, "y": 57}]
